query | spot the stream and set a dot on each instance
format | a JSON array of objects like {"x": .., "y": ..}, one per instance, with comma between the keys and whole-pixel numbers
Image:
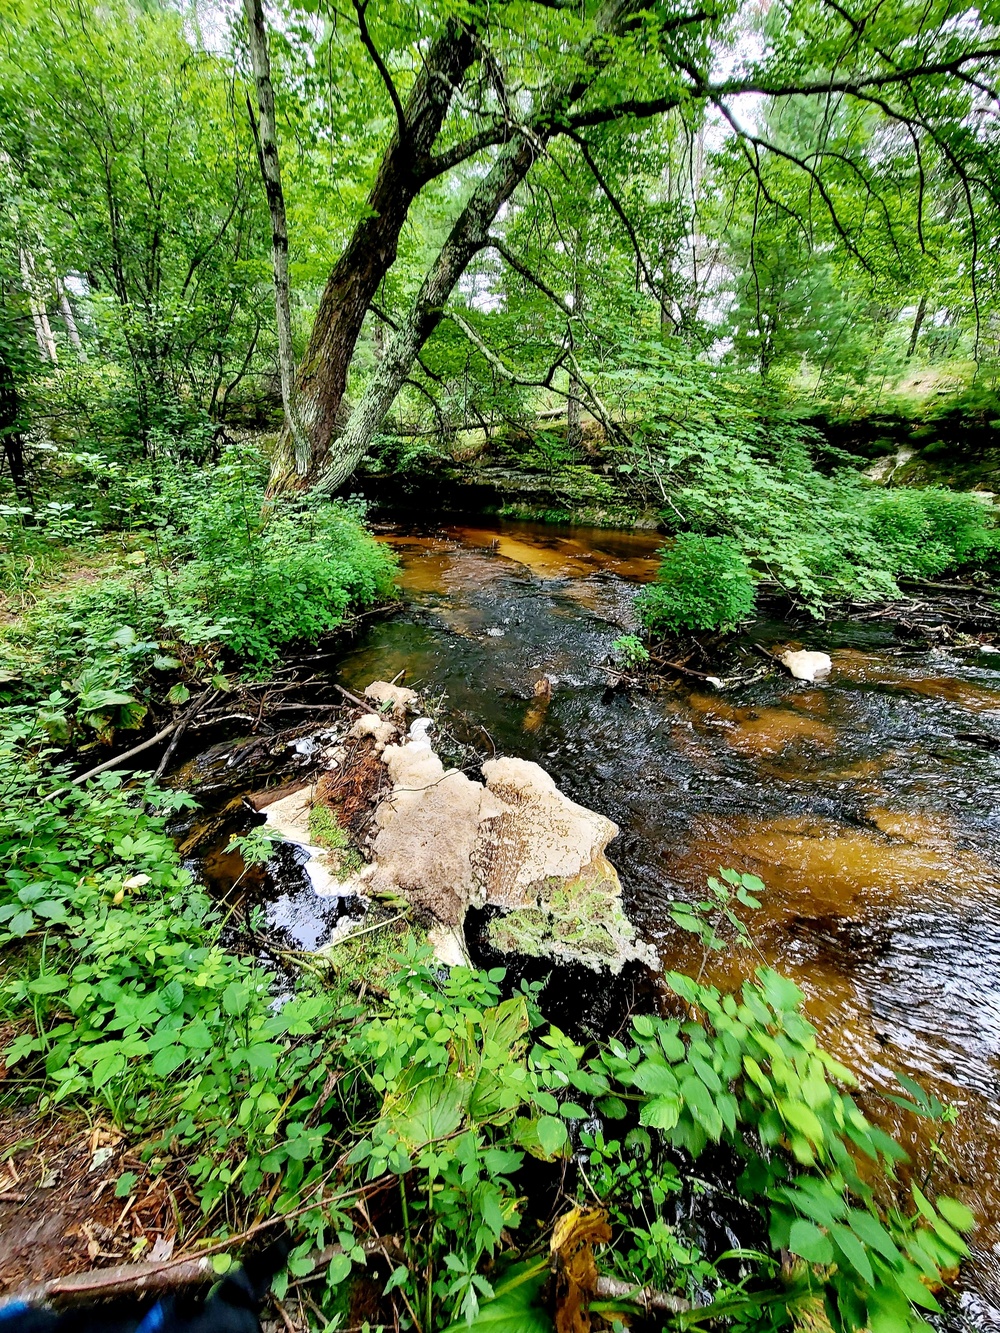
[{"x": 868, "y": 804}]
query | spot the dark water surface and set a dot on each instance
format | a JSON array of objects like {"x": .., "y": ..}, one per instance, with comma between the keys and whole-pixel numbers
[{"x": 869, "y": 804}]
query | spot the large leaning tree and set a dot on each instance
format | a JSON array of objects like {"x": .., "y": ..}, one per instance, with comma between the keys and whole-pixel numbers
[{"x": 479, "y": 93}]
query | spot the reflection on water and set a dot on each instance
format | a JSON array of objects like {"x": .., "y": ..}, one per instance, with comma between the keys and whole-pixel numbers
[{"x": 869, "y": 805}]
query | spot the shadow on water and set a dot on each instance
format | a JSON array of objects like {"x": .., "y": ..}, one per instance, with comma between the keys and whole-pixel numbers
[{"x": 869, "y": 805}]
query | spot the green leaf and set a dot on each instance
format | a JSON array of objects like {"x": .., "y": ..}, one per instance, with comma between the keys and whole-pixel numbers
[
  {"x": 874, "y": 1235},
  {"x": 853, "y": 1251},
  {"x": 178, "y": 694},
  {"x": 516, "y": 1306},
  {"x": 806, "y": 1239},
  {"x": 654, "y": 1077},
  {"x": 956, "y": 1213},
  {"x": 235, "y": 999},
  {"x": 21, "y": 923},
  {"x": 339, "y": 1269},
  {"x": 167, "y": 1060},
  {"x": 661, "y": 1113},
  {"x": 552, "y": 1134},
  {"x": 125, "y": 1185}
]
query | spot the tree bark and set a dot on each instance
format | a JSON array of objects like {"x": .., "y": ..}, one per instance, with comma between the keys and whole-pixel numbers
[
  {"x": 69, "y": 319},
  {"x": 39, "y": 316},
  {"x": 10, "y": 431},
  {"x": 917, "y": 325},
  {"x": 469, "y": 235},
  {"x": 321, "y": 381},
  {"x": 270, "y": 170},
  {"x": 574, "y": 402}
]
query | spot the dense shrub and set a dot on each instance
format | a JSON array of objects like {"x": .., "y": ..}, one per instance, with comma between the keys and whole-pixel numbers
[
  {"x": 703, "y": 583},
  {"x": 724, "y": 461},
  {"x": 925, "y": 532},
  {"x": 226, "y": 584}
]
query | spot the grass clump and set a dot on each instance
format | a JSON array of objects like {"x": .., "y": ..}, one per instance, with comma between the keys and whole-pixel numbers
[{"x": 341, "y": 858}]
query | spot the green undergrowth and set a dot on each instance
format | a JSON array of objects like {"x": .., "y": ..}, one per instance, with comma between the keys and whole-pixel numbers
[
  {"x": 721, "y": 459},
  {"x": 447, "y": 1111},
  {"x": 207, "y": 583}
]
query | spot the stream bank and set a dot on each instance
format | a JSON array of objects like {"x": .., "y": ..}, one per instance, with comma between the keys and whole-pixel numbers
[{"x": 869, "y": 804}]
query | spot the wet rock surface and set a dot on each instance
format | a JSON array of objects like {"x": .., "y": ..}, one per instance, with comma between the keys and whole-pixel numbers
[{"x": 443, "y": 842}]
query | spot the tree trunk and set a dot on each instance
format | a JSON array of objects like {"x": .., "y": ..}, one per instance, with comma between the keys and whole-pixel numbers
[
  {"x": 10, "y": 431},
  {"x": 270, "y": 170},
  {"x": 39, "y": 316},
  {"x": 69, "y": 319},
  {"x": 574, "y": 404},
  {"x": 917, "y": 325},
  {"x": 322, "y": 377},
  {"x": 469, "y": 235}
]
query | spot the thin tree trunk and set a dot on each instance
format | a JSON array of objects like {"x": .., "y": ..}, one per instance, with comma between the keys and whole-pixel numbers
[
  {"x": 270, "y": 170},
  {"x": 917, "y": 325},
  {"x": 321, "y": 381},
  {"x": 469, "y": 235},
  {"x": 11, "y": 433},
  {"x": 574, "y": 403},
  {"x": 69, "y": 319},
  {"x": 39, "y": 317}
]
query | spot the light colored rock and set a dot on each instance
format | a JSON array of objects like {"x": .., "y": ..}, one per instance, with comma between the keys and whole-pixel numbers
[
  {"x": 428, "y": 827},
  {"x": 538, "y": 835},
  {"x": 805, "y": 665},
  {"x": 379, "y": 728},
  {"x": 444, "y": 843},
  {"x": 448, "y": 943},
  {"x": 290, "y": 817},
  {"x": 420, "y": 729},
  {"x": 395, "y": 697}
]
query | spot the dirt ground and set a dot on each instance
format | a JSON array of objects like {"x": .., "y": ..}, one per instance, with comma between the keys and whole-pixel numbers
[{"x": 59, "y": 1210}]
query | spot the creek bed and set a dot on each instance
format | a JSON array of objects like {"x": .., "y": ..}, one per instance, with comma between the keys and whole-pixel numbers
[{"x": 869, "y": 804}]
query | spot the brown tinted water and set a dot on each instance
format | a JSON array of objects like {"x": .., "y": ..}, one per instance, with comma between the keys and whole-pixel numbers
[{"x": 869, "y": 805}]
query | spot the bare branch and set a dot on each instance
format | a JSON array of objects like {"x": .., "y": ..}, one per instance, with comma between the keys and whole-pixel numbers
[{"x": 360, "y": 6}]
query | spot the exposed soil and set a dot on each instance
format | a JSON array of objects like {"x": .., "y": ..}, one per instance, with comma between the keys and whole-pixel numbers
[{"x": 59, "y": 1212}]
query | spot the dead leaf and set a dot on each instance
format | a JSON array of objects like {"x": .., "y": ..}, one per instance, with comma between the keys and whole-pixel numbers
[
  {"x": 99, "y": 1158},
  {"x": 572, "y": 1247},
  {"x": 163, "y": 1248}
]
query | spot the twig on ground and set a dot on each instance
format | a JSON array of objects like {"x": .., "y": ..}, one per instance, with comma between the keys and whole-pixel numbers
[
  {"x": 648, "y": 1297},
  {"x": 352, "y": 698}
]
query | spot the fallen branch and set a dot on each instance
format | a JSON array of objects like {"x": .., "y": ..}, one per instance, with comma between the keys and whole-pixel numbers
[
  {"x": 139, "y": 1280},
  {"x": 129, "y": 754},
  {"x": 650, "y": 1299},
  {"x": 123, "y": 1280},
  {"x": 168, "y": 754},
  {"x": 353, "y": 698}
]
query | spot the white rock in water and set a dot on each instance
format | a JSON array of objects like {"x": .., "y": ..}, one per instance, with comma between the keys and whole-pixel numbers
[{"x": 806, "y": 666}]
